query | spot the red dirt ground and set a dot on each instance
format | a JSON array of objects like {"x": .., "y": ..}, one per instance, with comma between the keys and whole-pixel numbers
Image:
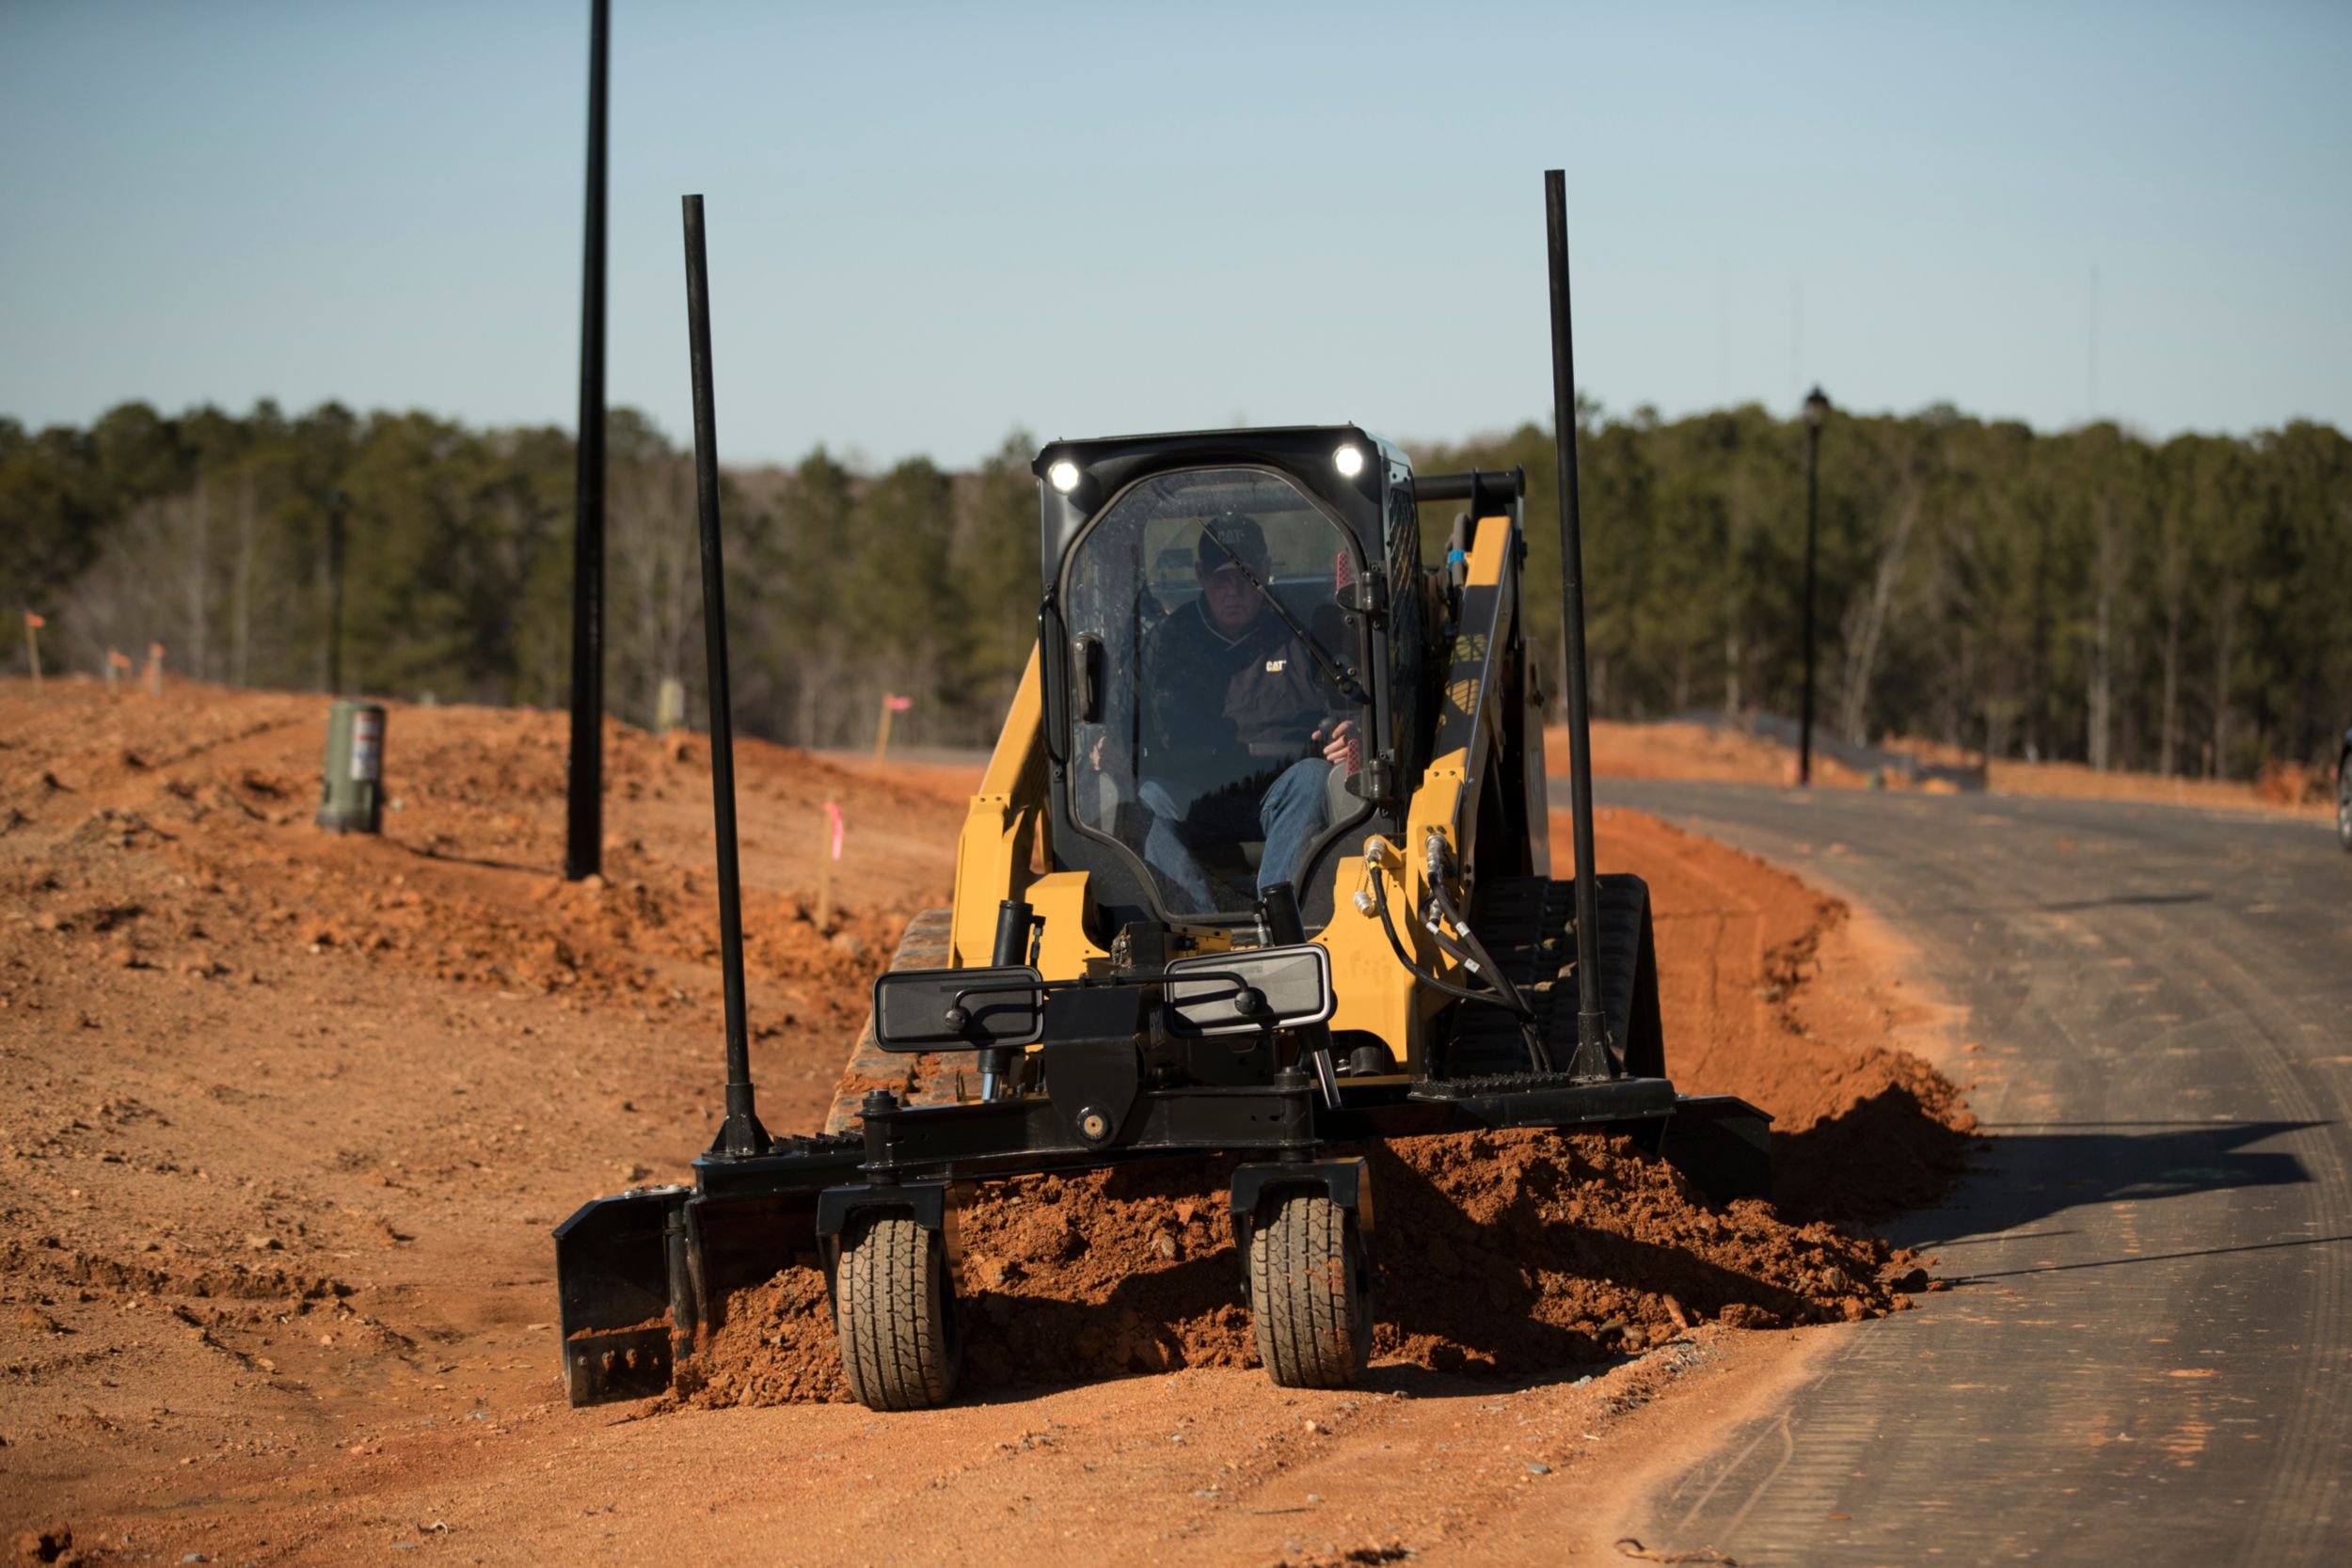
[
  {"x": 286, "y": 1119},
  {"x": 1673, "y": 750}
]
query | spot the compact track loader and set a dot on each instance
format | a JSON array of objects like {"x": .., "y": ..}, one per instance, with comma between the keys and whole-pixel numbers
[{"x": 1259, "y": 867}]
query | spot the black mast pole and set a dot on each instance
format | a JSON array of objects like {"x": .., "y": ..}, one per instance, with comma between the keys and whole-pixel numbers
[
  {"x": 583, "y": 837},
  {"x": 742, "y": 1133},
  {"x": 1591, "y": 1040}
]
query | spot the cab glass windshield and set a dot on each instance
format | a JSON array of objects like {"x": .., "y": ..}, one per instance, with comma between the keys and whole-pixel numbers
[{"x": 1219, "y": 715}]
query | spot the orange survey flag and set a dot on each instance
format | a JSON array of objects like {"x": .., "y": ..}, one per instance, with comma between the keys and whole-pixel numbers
[
  {"x": 35, "y": 622},
  {"x": 117, "y": 657}
]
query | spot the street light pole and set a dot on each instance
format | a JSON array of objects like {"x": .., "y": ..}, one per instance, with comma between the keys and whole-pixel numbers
[{"x": 1815, "y": 415}]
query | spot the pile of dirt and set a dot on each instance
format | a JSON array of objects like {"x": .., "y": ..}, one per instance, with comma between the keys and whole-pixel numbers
[
  {"x": 457, "y": 888},
  {"x": 1499, "y": 1253},
  {"x": 1680, "y": 749},
  {"x": 2294, "y": 783},
  {"x": 286, "y": 1116},
  {"x": 1774, "y": 992},
  {"x": 776, "y": 1347}
]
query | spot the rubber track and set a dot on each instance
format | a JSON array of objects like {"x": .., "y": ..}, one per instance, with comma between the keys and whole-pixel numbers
[
  {"x": 918, "y": 1080},
  {"x": 1526, "y": 923},
  {"x": 1307, "y": 1308},
  {"x": 889, "y": 1310}
]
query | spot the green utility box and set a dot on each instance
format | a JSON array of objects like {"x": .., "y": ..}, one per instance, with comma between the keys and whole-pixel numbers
[{"x": 351, "y": 792}]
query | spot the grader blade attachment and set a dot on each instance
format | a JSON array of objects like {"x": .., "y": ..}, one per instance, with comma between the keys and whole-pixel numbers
[{"x": 613, "y": 1270}]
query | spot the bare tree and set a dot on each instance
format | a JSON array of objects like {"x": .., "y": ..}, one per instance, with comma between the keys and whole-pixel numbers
[
  {"x": 240, "y": 586},
  {"x": 656, "y": 569},
  {"x": 197, "y": 577},
  {"x": 2172, "y": 559},
  {"x": 1867, "y": 623},
  {"x": 2225, "y": 608},
  {"x": 146, "y": 586},
  {"x": 2099, "y": 677}
]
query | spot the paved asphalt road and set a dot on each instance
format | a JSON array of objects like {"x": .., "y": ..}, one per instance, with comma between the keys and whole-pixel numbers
[{"x": 2148, "y": 1356}]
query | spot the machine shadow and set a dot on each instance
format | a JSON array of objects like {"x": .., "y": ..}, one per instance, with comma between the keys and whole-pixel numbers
[
  {"x": 2039, "y": 1170},
  {"x": 1187, "y": 1313},
  {"x": 1893, "y": 1152}
]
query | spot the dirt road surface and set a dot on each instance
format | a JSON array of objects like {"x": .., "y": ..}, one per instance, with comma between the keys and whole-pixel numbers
[
  {"x": 2149, "y": 1355},
  {"x": 286, "y": 1119}
]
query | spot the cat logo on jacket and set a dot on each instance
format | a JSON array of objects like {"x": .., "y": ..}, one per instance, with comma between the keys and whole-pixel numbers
[{"x": 1275, "y": 666}]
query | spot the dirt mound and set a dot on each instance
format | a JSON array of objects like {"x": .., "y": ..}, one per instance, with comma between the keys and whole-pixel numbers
[
  {"x": 1681, "y": 748},
  {"x": 457, "y": 888},
  {"x": 1773, "y": 991},
  {"x": 776, "y": 1348},
  {"x": 2294, "y": 783},
  {"x": 287, "y": 1117},
  {"x": 1500, "y": 1253}
]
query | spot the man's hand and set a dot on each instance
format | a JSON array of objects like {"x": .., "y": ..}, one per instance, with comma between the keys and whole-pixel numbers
[
  {"x": 1094, "y": 752},
  {"x": 1339, "y": 742}
]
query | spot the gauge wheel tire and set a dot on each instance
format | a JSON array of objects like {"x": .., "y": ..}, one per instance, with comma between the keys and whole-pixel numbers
[
  {"x": 894, "y": 1306},
  {"x": 2343, "y": 801},
  {"x": 1311, "y": 1294}
]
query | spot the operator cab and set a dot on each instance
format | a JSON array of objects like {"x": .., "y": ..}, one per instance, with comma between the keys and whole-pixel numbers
[{"x": 1234, "y": 630}]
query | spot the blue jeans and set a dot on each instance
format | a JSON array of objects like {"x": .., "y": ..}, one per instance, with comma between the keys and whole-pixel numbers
[{"x": 1291, "y": 814}]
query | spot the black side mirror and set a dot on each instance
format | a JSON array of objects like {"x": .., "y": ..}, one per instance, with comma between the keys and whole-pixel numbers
[
  {"x": 955, "y": 1009},
  {"x": 1262, "y": 988},
  {"x": 1087, "y": 657}
]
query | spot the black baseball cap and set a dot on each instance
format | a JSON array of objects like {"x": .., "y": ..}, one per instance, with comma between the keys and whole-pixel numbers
[{"x": 1241, "y": 537}]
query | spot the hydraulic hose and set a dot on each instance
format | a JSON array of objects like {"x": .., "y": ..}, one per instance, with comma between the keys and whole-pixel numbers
[
  {"x": 1505, "y": 997},
  {"x": 1396, "y": 945},
  {"x": 1438, "y": 855},
  {"x": 1470, "y": 950},
  {"x": 1473, "y": 952}
]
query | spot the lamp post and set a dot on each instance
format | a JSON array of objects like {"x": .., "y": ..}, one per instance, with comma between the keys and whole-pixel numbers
[{"x": 1815, "y": 415}]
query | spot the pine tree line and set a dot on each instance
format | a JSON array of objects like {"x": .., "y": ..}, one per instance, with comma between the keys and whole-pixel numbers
[
  {"x": 2174, "y": 607},
  {"x": 2087, "y": 594}
]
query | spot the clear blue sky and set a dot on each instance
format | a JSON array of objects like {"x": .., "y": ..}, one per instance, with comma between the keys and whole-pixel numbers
[{"x": 932, "y": 224}]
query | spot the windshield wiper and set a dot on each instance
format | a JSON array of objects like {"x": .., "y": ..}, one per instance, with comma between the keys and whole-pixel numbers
[{"x": 1340, "y": 679}]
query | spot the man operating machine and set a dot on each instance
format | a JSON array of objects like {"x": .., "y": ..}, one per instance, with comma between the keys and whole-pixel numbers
[{"x": 1235, "y": 727}]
